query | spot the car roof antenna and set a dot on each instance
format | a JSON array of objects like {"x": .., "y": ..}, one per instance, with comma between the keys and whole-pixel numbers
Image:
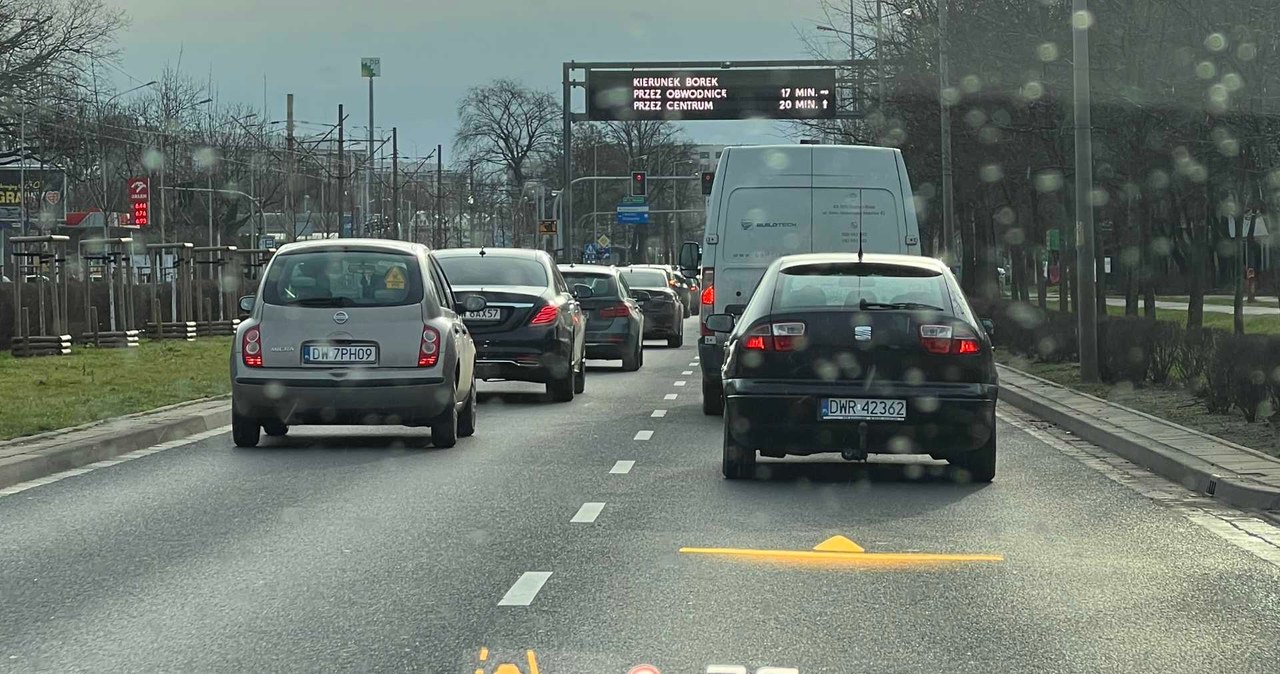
[
  {"x": 482, "y": 253},
  {"x": 860, "y": 245}
]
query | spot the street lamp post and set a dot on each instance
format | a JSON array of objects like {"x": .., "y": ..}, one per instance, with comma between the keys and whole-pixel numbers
[
  {"x": 1086, "y": 268},
  {"x": 102, "y": 149}
]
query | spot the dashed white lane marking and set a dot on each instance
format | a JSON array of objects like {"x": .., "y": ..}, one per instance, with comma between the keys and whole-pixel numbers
[
  {"x": 89, "y": 468},
  {"x": 739, "y": 669},
  {"x": 525, "y": 589},
  {"x": 1241, "y": 529},
  {"x": 687, "y": 372},
  {"x": 681, "y": 382},
  {"x": 670, "y": 396},
  {"x": 643, "y": 435},
  {"x": 587, "y": 513},
  {"x": 622, "y": 467},
  {"x": 658, "y": 414},
  {"x": 693, "y": 364}
]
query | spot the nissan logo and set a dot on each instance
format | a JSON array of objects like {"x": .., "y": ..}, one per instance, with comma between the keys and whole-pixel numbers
[{"x": 340, "y": 317}]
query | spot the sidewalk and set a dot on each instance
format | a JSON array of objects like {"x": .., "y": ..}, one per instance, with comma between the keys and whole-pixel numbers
[
  {"x": 1249, "y": 309},
  {"x": 1231, "y": 473},
  {"x": 36, "y": 456}
]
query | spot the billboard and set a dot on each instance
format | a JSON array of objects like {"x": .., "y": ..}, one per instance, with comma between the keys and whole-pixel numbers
[
  {"x": 45, "y": 196},
  {"x": 787, "y": 93}
]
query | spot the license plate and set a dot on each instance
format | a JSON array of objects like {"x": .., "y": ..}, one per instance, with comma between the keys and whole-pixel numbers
[
  {"x": 864, "y": 409},
  {"x": 485, "y": 315},
  {"x": 338, "y": 355}
]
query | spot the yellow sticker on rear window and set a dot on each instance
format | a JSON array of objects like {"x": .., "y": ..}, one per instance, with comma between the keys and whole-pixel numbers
[{"x": 394, "y": 279}]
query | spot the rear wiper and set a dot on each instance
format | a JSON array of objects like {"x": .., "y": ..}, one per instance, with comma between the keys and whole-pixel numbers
[{"x": 916, "y": 306}]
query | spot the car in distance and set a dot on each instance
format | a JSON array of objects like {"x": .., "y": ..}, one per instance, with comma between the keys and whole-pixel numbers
[
  {"x": 663, "y": 312},
  {"x": 615, "y": 321},
  {"x": 675, "y": 281},
  {"x": 858, "y": 355},
  {"x": 353, "y": 331},
  {"x": 532, "y": 328}
]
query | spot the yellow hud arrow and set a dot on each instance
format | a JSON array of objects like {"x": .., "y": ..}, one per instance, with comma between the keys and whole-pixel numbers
[{"x": 841, "y": 551}]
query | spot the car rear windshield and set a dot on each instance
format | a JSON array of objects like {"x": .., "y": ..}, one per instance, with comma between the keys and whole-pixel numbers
[
  {"x": 646, "y": 278},
  {"x": 848, "y": 285},
  {"x": 602, "y": 285},
  {"x": 343, "y": 278},
  {"x": 493, "y": 270}
]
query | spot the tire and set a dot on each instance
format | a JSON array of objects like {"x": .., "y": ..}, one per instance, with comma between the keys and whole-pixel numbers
[
  {"x": 737, "y": 462},
  {"x": 712, "y": 397},
  {"x": 677, "y": 340},
  {"x": 632, "y": 361},
  {"x": 444, "y": 430},
  {"x": 467, "y": 417},
  {"x": 275, "y": 429},
  {"x": 245, "y": 432},
  {"x": 981, "y": 462},
  {"x": 580, "y": 377},
  {"x": 561, "y": 388}
]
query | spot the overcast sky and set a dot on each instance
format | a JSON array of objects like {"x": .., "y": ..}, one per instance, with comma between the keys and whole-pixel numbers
[{"x": 433, "y": 50}]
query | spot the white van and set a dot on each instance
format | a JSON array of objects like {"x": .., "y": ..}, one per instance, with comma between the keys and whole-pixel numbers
[{"x": 773, "y": 200}]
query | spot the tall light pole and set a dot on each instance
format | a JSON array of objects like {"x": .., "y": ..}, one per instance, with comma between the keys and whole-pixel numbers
[
  {"x": 944, "y": 108},
  {"x": 1086, "y": 267},
  {"x": 370, "y": 68},
  {"x": 102, "y": 149}
]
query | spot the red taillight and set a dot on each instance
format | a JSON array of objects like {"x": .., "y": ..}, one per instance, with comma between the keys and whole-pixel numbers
[
  {"x": 429, "y": 353},
  {"x": 546, "y": 315},
  {"x": 251, "y": 347},
  {"x": 787, "y": 336},
  {"x": 615, "y": 311},
  {"x": 709, "y": 296},
  {"x": 943, "y": 340}
]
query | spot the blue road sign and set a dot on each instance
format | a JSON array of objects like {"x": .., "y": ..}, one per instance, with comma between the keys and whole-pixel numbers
[{"x": 633, "y": 217}]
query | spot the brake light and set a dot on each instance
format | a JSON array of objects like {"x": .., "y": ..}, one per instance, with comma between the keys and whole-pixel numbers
[
  {"x": 616, "y": 311},
  {"x": 709, "y": 295},
  {"x": 788, "y": 336},
  {"x": 429, "y": 354},
  {"x": 943, "y": 340},
  {"x": 251, "y": 347},
  {"x": 546, "y": 315}
]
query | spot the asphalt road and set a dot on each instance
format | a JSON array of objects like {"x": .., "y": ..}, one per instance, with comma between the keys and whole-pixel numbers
[{"x": 367, "y": 550}]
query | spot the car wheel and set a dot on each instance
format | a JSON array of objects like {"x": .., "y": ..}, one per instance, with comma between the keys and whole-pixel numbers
[
  {"x": 632, "y": 361},
  {"x": 980, "y": 464},
  {"x": 444, "y": 430},
  {"x": 712, "y": 397},
  {"x": 561, "y": 388},
  {"x": 274, "y": 428},
  {"x": 245, "y": 432},
  {"x": 737, "y": 462},
  {"x": 580, "y": 377},
  {"x": 677, "y": 340},
  {"x": 467, "y": 417}
]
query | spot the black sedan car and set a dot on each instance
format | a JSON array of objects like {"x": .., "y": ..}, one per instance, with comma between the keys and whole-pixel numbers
[
  {"x": 532, "y": 328},
  {"x": 675, "y": 281},
  {"x": 663, "y": 312},
  {"x": 615, "y": 322},
  {"x": 858, "y": 355}
]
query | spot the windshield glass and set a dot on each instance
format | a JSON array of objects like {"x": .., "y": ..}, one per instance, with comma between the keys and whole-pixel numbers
[
  {"x": 493, "y": 270},
  {"x": 849, "y": 286},
  {"x": 343, "y": 279},
  {"x": 645, "y": 278}
]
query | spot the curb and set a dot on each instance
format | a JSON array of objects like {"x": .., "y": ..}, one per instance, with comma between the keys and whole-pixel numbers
[
  {"x": 1164, "y": 460},
  {"x": 147, "y": 431}
]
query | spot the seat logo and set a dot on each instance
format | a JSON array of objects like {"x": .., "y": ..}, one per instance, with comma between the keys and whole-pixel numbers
[
  {"x": 862, "y": 333},
  {"x": 341, "y": 317}
]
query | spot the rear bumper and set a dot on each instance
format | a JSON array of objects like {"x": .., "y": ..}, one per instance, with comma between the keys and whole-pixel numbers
[
  {"x": 611, "y": 344},
  {"x": 535, "y": 355},
  {"x": 408, "y": 401},
  {"x": 663, "y": 323},
  {"x": 779, "y": 418}
]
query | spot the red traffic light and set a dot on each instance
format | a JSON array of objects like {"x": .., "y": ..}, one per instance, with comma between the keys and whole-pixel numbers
[
  {"x": 708, "y": 179},
  {"x": 639, "y": 184}
]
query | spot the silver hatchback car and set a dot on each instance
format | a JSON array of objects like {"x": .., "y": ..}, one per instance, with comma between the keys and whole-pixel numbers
[{"x": 354, "y": 331}]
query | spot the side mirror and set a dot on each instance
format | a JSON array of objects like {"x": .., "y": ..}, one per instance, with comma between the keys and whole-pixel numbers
[
  {"x": 473, "y": 303},
  {"x": 641, "y": 295},
  {"x": 246, "y": 303},
  {"x": 989, "y": 326},
  {"x": 720, "y": 323},
  {"x": 583, "y": 292},
  {"x": 690, "y": 257}
]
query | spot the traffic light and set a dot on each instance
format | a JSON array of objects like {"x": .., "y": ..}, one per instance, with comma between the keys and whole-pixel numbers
[
  {"x": 639, "y": 184},
  {"x": 708, "y": 179}
]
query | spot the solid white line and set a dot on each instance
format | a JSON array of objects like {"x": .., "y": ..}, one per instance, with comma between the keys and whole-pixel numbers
[
  {"x": 726, "y": 669},
  {"x": 643, "y": 435},
  {"x": 687, "y": 372},
  {"x": 658, "y": 414},
  {"x": 681, "y": 382},
  {"x": 525, "y": 589},
  {"x": 670, "y": 396},
  {"x": 622, "y": 467},
  {"x": 587, "y": 513}
]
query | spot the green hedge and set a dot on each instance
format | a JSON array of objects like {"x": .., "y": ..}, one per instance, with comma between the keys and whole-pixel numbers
[{"x": 1227, "y": 371}]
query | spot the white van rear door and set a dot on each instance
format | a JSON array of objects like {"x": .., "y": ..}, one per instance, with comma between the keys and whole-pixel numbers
[
  {"x": 761, "y": 224},
  {"x": 841, "y": 215}
]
